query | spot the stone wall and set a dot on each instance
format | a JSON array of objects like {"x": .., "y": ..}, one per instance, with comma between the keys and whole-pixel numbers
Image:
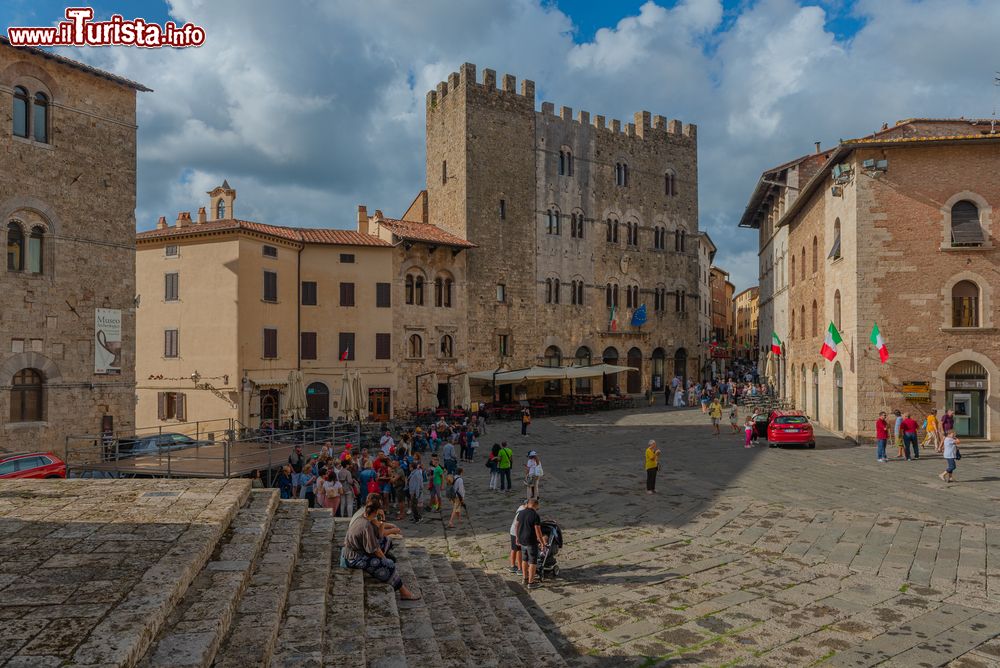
[{"x": 80, "y": 188}]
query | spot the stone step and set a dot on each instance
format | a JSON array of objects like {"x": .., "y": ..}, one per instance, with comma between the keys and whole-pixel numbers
[
  {"x": 383, "y": 636},
  {"x": 196, "y": 627},
  {"x": 419, "y": 641},
  {"x": 254, "y": 631},
  {"x": 124, "y": 634},
  {"x": 300, "y": 639},
  {"x": 344, "y": 640},
  {"x": 482, "y": 603}
]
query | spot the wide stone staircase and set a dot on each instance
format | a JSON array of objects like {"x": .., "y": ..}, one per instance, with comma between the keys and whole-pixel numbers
[{"x": 272, "y": 593}]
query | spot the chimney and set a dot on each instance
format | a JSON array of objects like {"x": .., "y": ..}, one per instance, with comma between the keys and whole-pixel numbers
[
  {"x": 181, "y": 222},
  {"x": 363, "y": 219},
  {"x": 378, "y": 215},
  {"x": 817, "y": 147},
  {"x": 202, "y": 216},
  {"x": 161, "y": 224}
]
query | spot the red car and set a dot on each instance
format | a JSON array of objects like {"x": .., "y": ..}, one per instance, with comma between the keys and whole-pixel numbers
[
  {"x": 32, "y": 465},
  {"x": 790, "y": 428}
]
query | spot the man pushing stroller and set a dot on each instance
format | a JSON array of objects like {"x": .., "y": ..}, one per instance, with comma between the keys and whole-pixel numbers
[{"x": 531, "y": 539}]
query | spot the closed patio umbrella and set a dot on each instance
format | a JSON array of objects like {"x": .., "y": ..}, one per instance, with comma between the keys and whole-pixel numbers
[
  {"x": 296, "y": 403},
  {"x": 358, "y": 392},
  {"x": 347, "y": 399}
]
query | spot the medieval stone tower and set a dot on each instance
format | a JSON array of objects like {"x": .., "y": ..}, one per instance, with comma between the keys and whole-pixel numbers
[{"x": 577, "y": 225}]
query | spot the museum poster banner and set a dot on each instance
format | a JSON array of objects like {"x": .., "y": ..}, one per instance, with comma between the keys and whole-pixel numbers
[{"x": 108, "y": 341}]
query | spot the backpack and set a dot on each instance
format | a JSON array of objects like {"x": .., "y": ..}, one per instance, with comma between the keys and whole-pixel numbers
[{"x": 450, "y": 491}]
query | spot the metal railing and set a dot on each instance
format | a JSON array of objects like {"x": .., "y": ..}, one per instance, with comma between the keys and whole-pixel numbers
[{"x": 210, "y": 449}]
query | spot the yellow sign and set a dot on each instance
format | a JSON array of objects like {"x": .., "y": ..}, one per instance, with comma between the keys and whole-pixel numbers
[{"x": 916, "y": 390}]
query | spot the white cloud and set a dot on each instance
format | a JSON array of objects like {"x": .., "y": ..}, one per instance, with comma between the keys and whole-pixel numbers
[{"x": 311, "y": 108}]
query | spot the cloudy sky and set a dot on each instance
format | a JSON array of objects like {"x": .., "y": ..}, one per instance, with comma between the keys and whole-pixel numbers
[{"x": 310, "y": 108}]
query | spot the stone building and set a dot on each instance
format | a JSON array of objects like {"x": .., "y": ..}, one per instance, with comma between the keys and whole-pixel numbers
[
  {"x": 745, "y": 315},
  {"x": 67, "y": 207},
  {"x": 896, "y": 229},
  {"x": 776, "y": 190},
  {"x": 230, "y": 307},
  {"x": 721, "y": 290},
  {"x": 577, "y": 223}
]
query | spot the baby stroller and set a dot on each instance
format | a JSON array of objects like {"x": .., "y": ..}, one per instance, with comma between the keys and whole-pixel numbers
[{"x": 547, "y": 554}]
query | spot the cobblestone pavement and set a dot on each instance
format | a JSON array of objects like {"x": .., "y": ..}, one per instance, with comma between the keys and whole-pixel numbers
[
  {"x": 87, "y": 566},
  {"x": 750, "y": 557}
]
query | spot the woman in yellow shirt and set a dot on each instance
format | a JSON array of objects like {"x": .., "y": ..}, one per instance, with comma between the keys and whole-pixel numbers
[{"x": 652, "y": 466}]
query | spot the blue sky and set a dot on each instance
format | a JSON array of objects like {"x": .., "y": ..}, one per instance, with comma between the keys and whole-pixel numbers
[{"x": 311, "y": 108}]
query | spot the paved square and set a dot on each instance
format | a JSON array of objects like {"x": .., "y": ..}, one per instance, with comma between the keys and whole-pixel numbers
[{"x": 750, "y": 557}]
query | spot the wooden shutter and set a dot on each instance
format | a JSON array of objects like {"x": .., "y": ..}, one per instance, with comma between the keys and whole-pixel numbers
[
  {"x": 965, "y": 227},
  {"x": 270, "y": 286},
  {"x": 308, "y": 343},
  {"x": 383, "y": 346},
  {"x": 181, "y": 401},
  {"x": 161, "y": 405},
  {"x": 346, "y": 345},
  {"x": 309, "y": 293},
  {"x": 347, "y": 294},
  {"x": 383, "y": 295},
  {"x": 270, "y": 343}
]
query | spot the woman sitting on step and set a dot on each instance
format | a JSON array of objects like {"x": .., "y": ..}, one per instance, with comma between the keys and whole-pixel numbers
[{"x": 362, "y": 549}]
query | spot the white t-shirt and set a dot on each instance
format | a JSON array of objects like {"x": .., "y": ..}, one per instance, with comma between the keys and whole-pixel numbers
[
  {"x": 950, "y": 447},
  {"x": 332, "y": 488},
  {"x": 386, "y": 442},
  {"x": 513, "y": 525},
  {"x": 534, "y": 468}
]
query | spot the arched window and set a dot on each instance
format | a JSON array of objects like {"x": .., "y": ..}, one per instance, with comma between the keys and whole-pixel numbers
[
  {"x": 793, "y": 270},
  {"x": 418, "y": 291},
  {"x": 612, "y": 232},
  {"x": 409, "y": 289},
  {"x": 447, "y": 346},
  {"x": 669, "y": 184},
  {"x": 579, "y": 293},
  {"x": 448, "y": 288},
  {"x": 815, "y": 254},
  {"x": 621, "y": 174},
  {"x": 793, "y": 324},
  {"x": 415, "y": 346},
  {"x": 836, "y": 309},
  {"x": 548, "y": 290},
  {"x": 35, "y": 247},
  {"x": 15, "y": 247},
  {"x": 40, "y": 118},
  {"x": 555, "y": 291},
  {"x": 815, "y": 319},
  {"x": 552, "y": 224},
  {"x": 220, "y": 209},
  {"x": 27, "y": 397},
  {"x": 442, "y": 291},
  {"x": 565, "y": 162},
  {"x": 802, "y": 321},
  {"x": 965, "y": 304},
  {"x": 802, "y": 265},
  {"x": 835, "y": 248},
  {"x": 612, "y": 295},
  {"x": 577, "y": 225},
  {"x": 965, "y": 227},
  {"x": 20, "y": 111}
]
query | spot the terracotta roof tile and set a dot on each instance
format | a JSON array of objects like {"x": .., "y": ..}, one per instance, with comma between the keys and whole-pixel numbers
[
  {"x": 341, "y": 237},
  {"x": 296, "y": 234},
  {"x": 424, "y": 232}
]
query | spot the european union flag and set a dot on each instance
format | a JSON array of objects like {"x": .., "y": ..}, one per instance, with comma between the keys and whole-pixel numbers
[{"x": 639, "y": 316}]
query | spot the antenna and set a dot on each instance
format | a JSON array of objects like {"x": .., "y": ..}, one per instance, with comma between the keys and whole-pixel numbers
[{"x": 993, "y": 121}]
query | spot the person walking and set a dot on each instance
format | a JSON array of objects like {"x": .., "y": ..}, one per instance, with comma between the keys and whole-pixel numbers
[
  {"x": 897, "y": 433},
  {"x": 934, "y": 431},
  {"x": 456, "y": 492},
  {"x": 450, "y": 461},
  {"x": 492, "y": 463},
  {"x": 415, "y": 486},
  {"x": 652, "y": 466},
  {"x": 715, "y": 412},
  {"x": 533, "y": 474},
  {"x": 734, "y": 418},
  {"x": 881, "y": 436},
  {"x": 947, "y": 421},
  {"x": 525, "y": 420},
  {"x": 515, "y": 550},
  {"x": 505, "y": 459},
  {"x": 951, "y": 454},
  {"x": 909, "y": 429}
]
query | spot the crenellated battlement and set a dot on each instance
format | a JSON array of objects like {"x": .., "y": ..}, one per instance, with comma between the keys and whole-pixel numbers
[
  {"x": 466, "y": 78},
  {"x": 643, "y": 126}
]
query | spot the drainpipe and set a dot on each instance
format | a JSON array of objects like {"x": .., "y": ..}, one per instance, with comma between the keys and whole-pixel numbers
[{"x": 298, "y": 307}]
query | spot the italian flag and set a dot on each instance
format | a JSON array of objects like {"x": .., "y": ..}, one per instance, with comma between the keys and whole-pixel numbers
[
  {"x": 775, "y": 343},
  {"x": 830, "y": 343},
  {"x": 879, "y": 343},
  {"x": 613, "y": 322}
]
